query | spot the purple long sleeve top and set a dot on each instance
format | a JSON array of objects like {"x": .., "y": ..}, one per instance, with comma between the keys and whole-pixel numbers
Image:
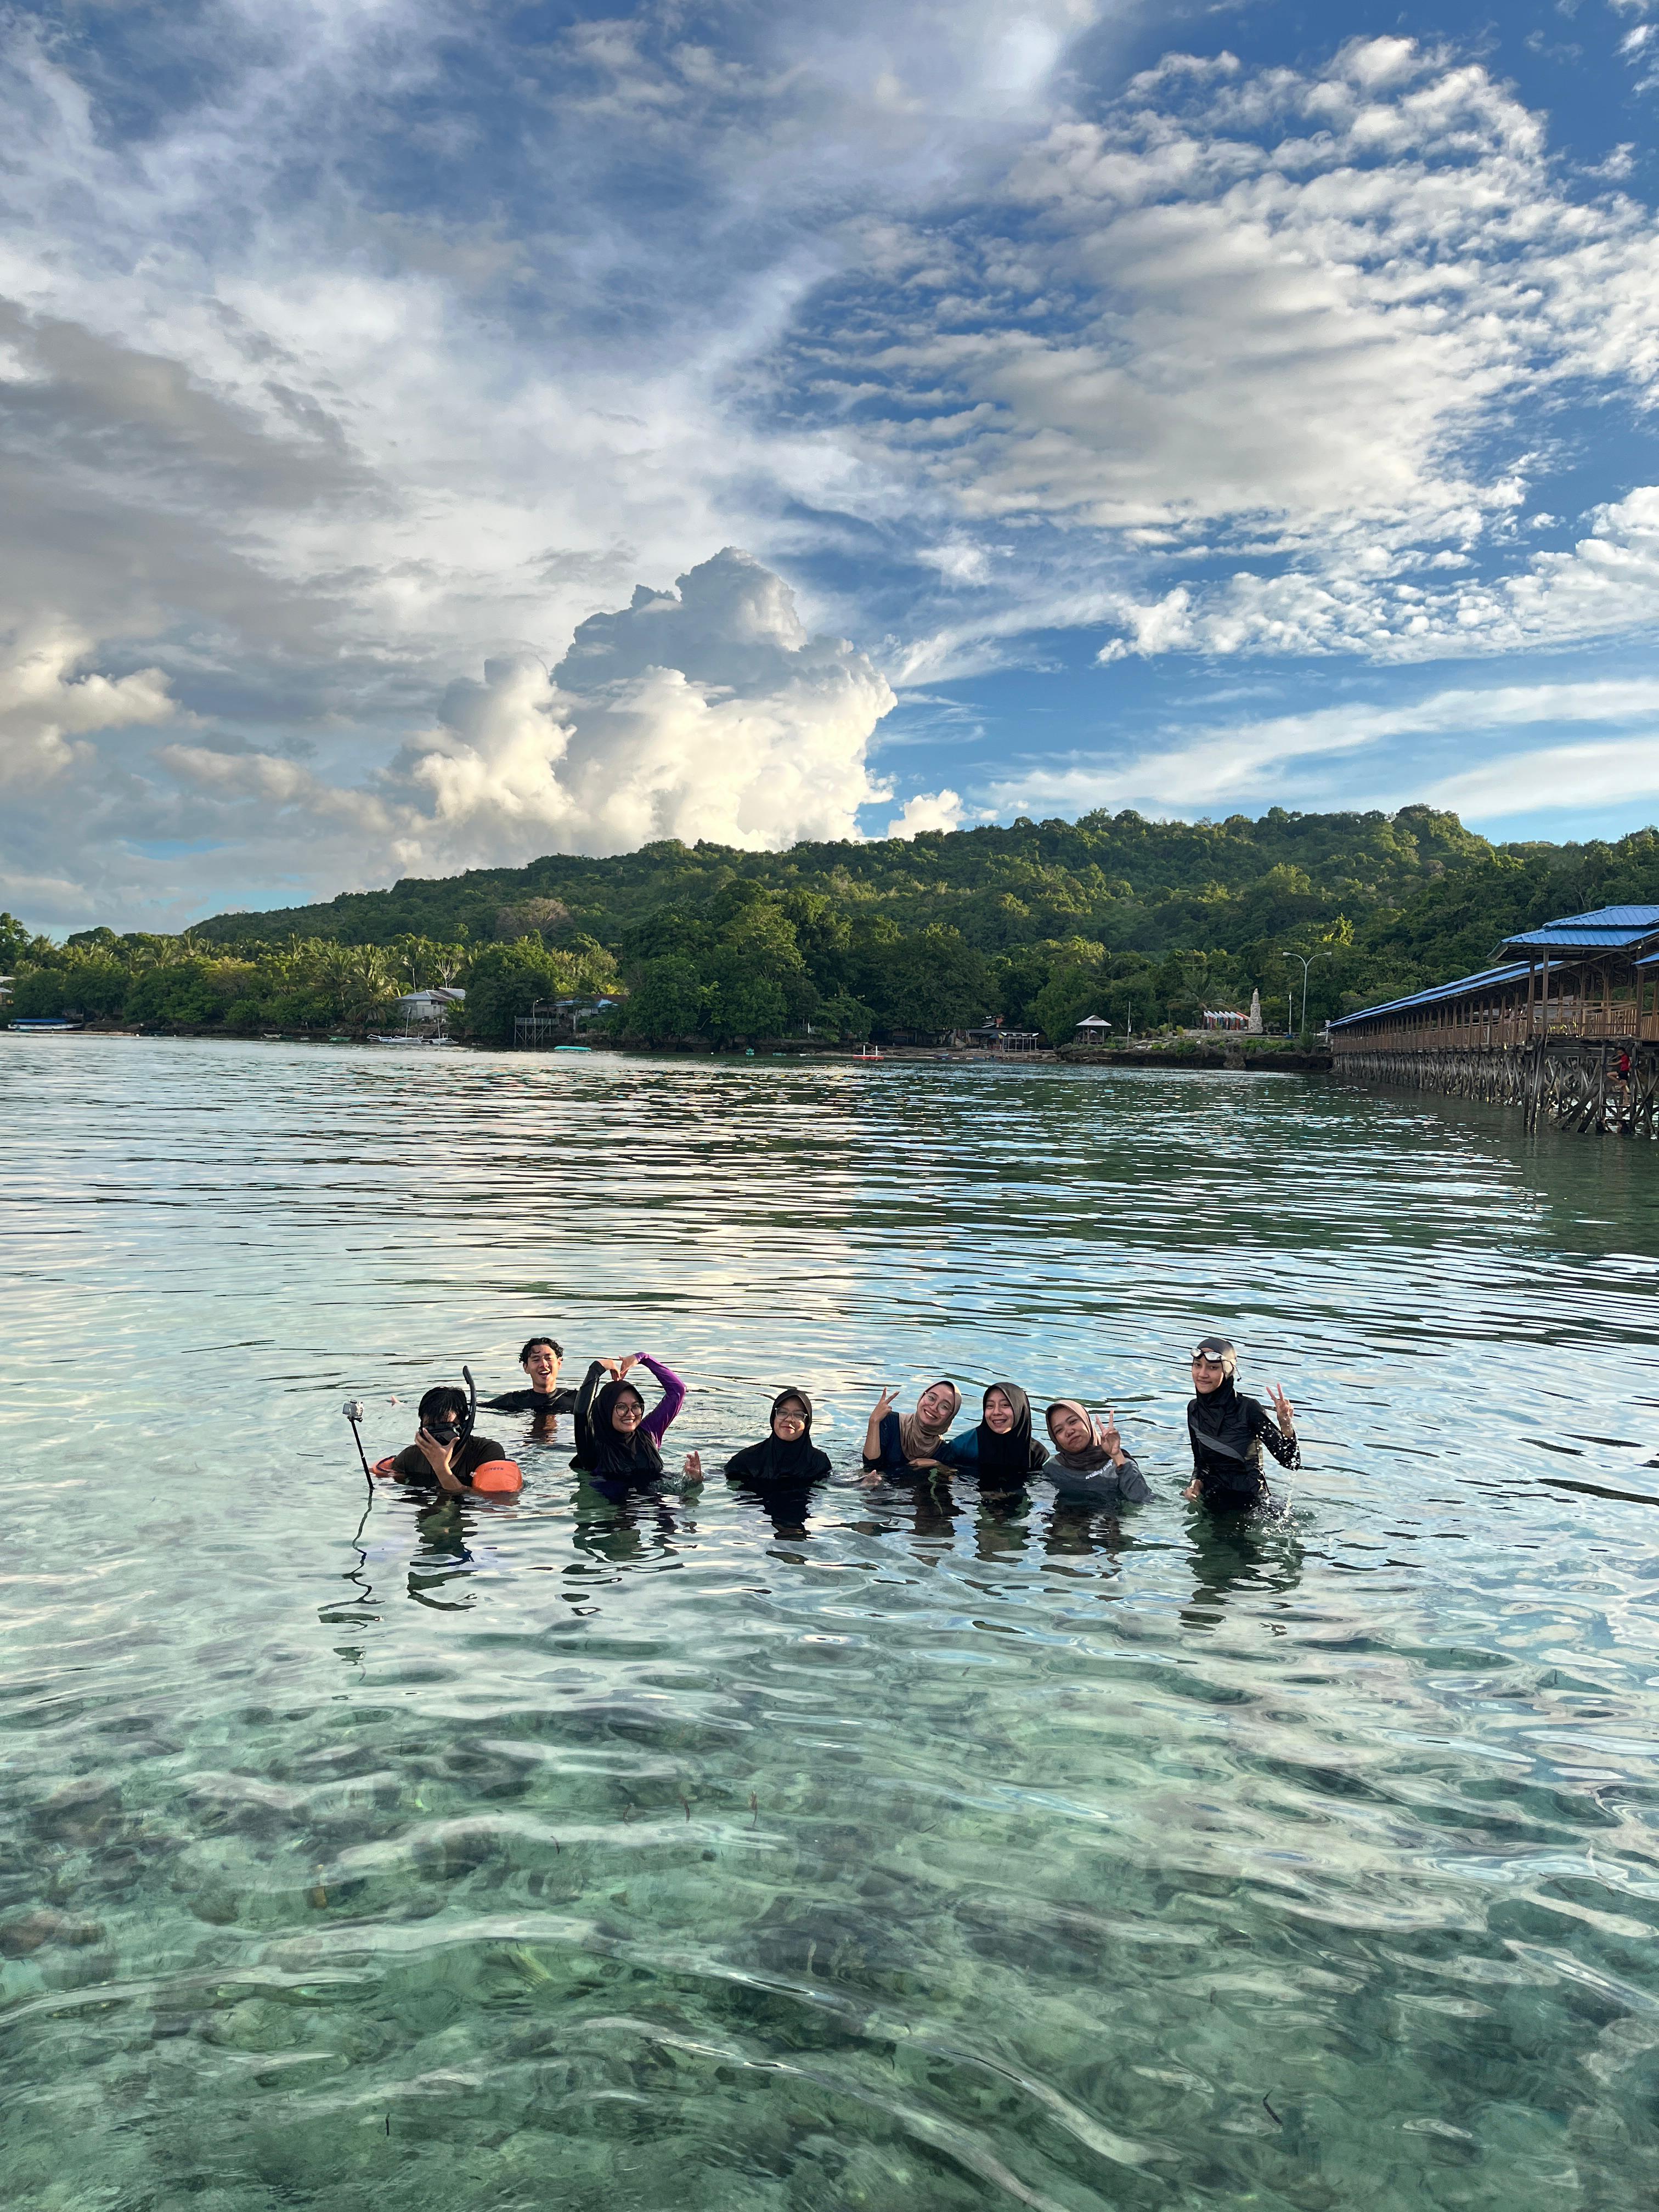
[{"x": 658, "y": 1422}]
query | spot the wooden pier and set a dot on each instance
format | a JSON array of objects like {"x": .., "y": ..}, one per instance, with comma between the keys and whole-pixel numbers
[{"x": 1566, "y": 1029}]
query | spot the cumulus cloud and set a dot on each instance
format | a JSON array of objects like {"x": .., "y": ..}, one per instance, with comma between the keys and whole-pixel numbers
[
  {"x": 45, "y": 704},
  {"x": 708, "y": 711},
  {"x": 927, "y": 809},
  {"x": 333, "y": 373}
]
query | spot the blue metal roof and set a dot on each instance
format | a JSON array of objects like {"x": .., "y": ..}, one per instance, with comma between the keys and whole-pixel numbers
[
  {"x": 1484, "y": 979},
  {"x": 1606, "y": 929}
]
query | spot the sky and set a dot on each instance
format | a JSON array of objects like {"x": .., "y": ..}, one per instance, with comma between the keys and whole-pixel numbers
[{"x": 438, "y": 432}]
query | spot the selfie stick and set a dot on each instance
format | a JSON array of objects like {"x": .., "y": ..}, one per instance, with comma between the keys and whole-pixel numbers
[{"x": 353, "y": 1410}]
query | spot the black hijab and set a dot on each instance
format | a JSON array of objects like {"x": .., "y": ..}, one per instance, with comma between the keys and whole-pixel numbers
[
  {"x": 1006, "y": 1461},
  {"x": 1220, "y": 1419},
  {"x": 773, "y": 1460},
  {"x": 612, "y": 1456}
]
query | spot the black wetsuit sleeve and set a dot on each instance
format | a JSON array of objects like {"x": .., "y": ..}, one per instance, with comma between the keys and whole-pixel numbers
[
  {"x": 510, "y": 1401},
  {"x": 890, "y": 1455},
  {"x": 1039, "y": 1455},
  {"x": 1133, "y": 1483},
  {"x": 583, "y": 1409},
  {"x": 564, "y": 1401},
  {"x": 1285, "y": 1449}
]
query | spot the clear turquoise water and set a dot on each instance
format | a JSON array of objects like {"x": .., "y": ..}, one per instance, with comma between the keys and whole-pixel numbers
[{"x": 543, "y": 1854}]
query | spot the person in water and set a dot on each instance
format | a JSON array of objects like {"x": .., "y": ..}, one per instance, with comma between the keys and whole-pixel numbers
[
  {"x": 541, "y": 1359},
  {"x": 440, "y": 1457},
  {"x": 1000, "y": 1448},
  {"x": 787, "y": 1455},
  {"x": 618, "y": 1444},
  {"x": 1090, "y": 1460},
  {"x": 899, "y": 1444},
  {"x": 1227, "y": 1430}
]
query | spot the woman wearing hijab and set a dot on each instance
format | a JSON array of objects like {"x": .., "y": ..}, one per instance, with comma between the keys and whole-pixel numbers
[
  {"x": 787, "y": 1455},
  {"x": 899, "y": 1444},
  {"x": 1090, "y": 1460},
  {"x": 1228, "y": 1430},
  {"x": 781, "y": 1471},
  {"x": 1000, "y": 1448},
  {"x": 618, "y": 1444}
]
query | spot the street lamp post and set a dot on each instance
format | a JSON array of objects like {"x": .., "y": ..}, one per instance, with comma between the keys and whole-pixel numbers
[{"x": 1307, "y": 960}]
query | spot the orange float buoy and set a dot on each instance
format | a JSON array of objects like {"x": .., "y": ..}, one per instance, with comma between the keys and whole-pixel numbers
[{"x": 498, "y": 1474}]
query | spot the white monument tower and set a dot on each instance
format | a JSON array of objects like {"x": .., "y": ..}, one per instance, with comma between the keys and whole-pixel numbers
[{"x": 1255, "y": 1029}]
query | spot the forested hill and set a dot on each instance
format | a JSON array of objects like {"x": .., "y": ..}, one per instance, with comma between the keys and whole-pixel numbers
[
  {"x": 1041, "y": 922},
  {"x": 1120, "y": 878},
  {"x": 1409, "y": 898}
]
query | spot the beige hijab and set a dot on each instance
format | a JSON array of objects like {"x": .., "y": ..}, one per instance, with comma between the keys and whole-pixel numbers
[
  {"x": 916, "y": 1440},
  {"x": 1094, "y": 1453}
]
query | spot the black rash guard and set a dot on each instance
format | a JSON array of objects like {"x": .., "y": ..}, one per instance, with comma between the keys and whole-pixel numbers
[
  {"x": 542, "y": 1403},
  {"x": 1227, "y": 1432},
  {"x": 411, "y": 1464}
]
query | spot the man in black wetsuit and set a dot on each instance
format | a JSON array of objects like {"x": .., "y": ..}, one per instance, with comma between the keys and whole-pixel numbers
[
  {"x": 540, "y": 1359},
  {"x": 439, "y": 1458}
]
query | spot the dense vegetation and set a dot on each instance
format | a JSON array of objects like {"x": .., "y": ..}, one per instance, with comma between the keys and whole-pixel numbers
[{"x": 1039, "y": 922}]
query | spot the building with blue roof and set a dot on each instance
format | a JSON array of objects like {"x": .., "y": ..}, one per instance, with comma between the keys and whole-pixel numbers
[{"x": 1565, "y": 1023}]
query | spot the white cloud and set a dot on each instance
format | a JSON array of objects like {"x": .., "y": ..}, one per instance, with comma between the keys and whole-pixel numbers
[
  {"x": 708, "y": 710},
  {"x": 1219, "y": 767},
  {"x": 927, "y": 809},
  {"x": 1554, "y": 776},
  {"x": 915, "y": 302},
  {"x": 1607, "y": 585},
  {"x": 44, "y": 706},
  {"x": 1283, "y": 319},
  {"x": 704, "y": 712}
]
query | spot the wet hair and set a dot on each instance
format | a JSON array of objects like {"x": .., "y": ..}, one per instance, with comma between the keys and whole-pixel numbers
[
  {"x": 551, "y": 1342},
  {"x": 443, "y": 1403}
]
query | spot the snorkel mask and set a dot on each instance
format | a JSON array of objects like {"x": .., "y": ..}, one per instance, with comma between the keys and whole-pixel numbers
[{"x": 457, "y": 1427}]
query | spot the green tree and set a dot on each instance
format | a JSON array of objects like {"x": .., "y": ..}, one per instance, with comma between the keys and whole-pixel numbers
[
  {"x": 506, "y": 981},
  {"x": 1069, "y": 994},
  {"x": 931, "y": 982},
  {"x": 666, "y": 1003},
  {"x": 17, "y": 945},
  {"x": 845, "y": 1018}
]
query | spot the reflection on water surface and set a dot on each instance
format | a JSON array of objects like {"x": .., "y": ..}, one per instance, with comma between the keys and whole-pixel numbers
[{"x": 870, "y": 1845}]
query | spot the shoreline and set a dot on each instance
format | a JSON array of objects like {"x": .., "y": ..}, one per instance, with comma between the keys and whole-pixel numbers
[{"x": 1263, "y": 1060}]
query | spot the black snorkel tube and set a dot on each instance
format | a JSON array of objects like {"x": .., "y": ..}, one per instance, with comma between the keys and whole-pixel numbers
[{"x": 472, "y": 1412}]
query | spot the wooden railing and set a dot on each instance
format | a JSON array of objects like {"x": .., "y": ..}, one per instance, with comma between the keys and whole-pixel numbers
[{"x": 1474, "y": 1030}]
